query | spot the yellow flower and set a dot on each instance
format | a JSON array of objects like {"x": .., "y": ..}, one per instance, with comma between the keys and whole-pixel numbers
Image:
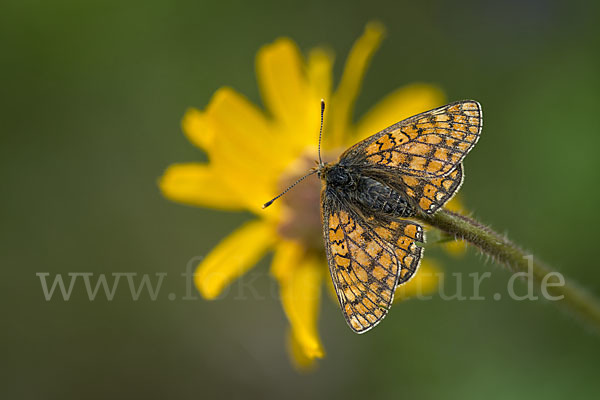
[
  {"x": 456, "y": 248},
  {"x": 254, "y": 154}
]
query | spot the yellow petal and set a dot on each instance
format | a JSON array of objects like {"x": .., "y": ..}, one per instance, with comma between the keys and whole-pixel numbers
[
  {"x": 400, "y": 104},
  {"x": 235, "y": 255},
  {"x": 299, "y": 359},
  {"x": 285, "y": 260},
  {"x": 281, "y": 78},
  {"x": 299, "y": 275},
  {"x": 456, "y": 204},
  {"x": 245, "y": 133},
  {"x": 456, "y": 248},
  {"x": 330, "y": 289},
  {"x": 320, "y": 64},
  {"x": 292, "y": 91},
  {"x": 199, "y": 185},
  {"x": 425, "y": 282},
  {"x": 354, "y": 71},
  {"x": 243, "y": 151},
  {"x": 197, "y": 129},
  {"x": 232, "y": 123},
  {"x": 238, "y": 141}
]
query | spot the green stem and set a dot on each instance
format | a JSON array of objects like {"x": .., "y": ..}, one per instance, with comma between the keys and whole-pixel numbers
[{"x": 574, "y": 299}]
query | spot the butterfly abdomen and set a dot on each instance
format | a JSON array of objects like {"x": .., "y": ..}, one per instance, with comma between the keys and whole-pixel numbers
[{"x": 382, "y": 199}]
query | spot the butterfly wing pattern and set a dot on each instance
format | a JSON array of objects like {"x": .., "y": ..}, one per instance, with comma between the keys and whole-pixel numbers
[
  {"x": 416, "y": 166},
  {"x": 367, "y": 263},
  {"x": 430, "y": 194}
]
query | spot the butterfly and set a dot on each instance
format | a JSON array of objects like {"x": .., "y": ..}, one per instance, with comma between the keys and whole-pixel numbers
[{"x": 371, "y": 195}]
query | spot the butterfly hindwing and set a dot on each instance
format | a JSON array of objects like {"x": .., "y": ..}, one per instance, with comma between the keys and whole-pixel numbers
[
  {"x": 426, "y": 194},
  {"x": 427, "y": 145},
  {"x": 402, "y": 236},
  {"x": 367, "y": 261}
]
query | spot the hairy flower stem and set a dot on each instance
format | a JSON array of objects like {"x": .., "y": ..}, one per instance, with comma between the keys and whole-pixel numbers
[{"x": 573, "y": 298}]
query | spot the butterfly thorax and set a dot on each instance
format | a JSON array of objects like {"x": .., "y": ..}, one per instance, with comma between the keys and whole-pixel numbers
[
  {"x": 372, "y": 197},
  {"x": 339, "y": 177}
]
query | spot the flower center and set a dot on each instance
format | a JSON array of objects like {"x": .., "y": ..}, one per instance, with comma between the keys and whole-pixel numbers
[{"x": 301, "y": 211}]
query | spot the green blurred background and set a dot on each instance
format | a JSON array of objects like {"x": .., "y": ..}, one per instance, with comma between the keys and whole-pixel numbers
[{"x": 92, "y": 97}]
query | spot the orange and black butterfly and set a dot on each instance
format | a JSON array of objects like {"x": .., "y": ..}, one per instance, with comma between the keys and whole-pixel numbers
[{"x": 370, "y": 194}]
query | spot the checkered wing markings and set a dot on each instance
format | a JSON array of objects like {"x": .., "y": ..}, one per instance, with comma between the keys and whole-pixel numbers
[
  {"x": 402, "y": 236},
  {"x": 364, "y": 264},
  {"x": 431, "y": 194},
  {"x": 427, "y": 145}
]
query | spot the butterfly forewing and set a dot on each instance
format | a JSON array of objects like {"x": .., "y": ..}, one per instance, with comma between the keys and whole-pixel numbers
[
  {"x": 367, "y": 262},
  {"x": 427, "y": 145}
]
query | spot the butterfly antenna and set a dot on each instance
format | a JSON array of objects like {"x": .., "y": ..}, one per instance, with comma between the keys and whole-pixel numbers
[
  {"x": 268, "y": 203},
  {"x": 321, "y": 129}
]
